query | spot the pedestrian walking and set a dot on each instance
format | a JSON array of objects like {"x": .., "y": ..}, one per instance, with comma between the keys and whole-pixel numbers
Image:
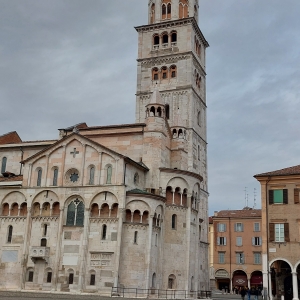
[
  {"x": 249, "y": 293},
  {"x": 256, "y": 293},
  {"x": 243, "y": 293}
]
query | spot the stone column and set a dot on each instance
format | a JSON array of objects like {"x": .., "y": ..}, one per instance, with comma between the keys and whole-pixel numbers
[
  {"x": 148, "y": 252},
  {"x": 270, "y": 288},
  {"x": 100, "y": 167},
  {"x": 29, "y": 175},
  {"x": 26, "y": 248},
  {"x": 57, "y": 250},
  {"x": 119, "y": 243},
  {"x": 188, "y": 241},
  {"x": 173, "y": 200},
  {"x": 181, "y": 199},
  {"x": 295, "y": 286},
  {"x": 83, "y": 256},
  {"x": 249, "y": 283}
]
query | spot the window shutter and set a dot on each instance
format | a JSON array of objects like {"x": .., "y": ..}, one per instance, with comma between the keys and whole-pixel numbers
[
  {"x": 235, "y": 227},
  {"x": 218, "y": 241},
  {"x": 271, "y": 197},
  {"x": 219, "y": 227},
  {"x": 253, "y": 241},
  {"x": 272, "y": 232},
  {"x": 242, "y": 227},
  {"x": 260, "y": 241},
  {"x": 224, "y": 241},
  {"x": 286, "y": 232},
  {"x": 224, "y": 227},
  {"x": 285, "y": 196},
  {"x": 296, "y": 196}
]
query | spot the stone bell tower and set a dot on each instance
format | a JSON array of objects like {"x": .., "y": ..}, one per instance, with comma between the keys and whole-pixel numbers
[{"x": 171, "y": 58}]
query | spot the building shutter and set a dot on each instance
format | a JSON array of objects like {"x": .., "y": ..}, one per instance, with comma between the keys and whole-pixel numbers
[
  {"x": 218, "y": 241},
  {"x": 285, "y": 196},
  {"x": 260, "y": 241},
  {"x": 296, "y": 196},
  {"x": 253, "y": 241},
  {"x": 272, "y": 232},
  {"x": 286, "y": 232},
  {"x": 235, "y": 227},
  {"x": 271, "y": 197},
  {"x": 224, "y": 241},
  {"x": 242, "y": 227},
  {"x": 224, "y": 227}
]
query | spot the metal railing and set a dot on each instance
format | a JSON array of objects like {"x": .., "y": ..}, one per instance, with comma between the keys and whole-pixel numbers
[{"x": 157, "y": 293}]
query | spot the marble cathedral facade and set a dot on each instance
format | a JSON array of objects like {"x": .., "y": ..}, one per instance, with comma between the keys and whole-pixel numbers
[{"x": 119, "y": 205}]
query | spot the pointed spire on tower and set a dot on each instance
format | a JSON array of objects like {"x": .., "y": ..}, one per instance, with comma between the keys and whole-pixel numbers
[{"x": 156, "y": 98}]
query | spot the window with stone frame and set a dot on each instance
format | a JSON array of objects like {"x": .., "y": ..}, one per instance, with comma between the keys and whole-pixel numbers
[
  {"x": 174, "y": 221},
  {"x": 75, "y": 213},
  {"x": 257, "y": 258},
  {"x": 256, "y": 227},
  {"x": 9, "y": 234},
  {"x": 256, "y": 241},
  {"x": 279, "y": 232},
  {"x": 221, "y": 241},
  {"x": 239, "y": 227}
]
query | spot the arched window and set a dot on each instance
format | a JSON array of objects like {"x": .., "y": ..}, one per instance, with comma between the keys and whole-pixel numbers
[
  {"x": 23, "y": 209},
  {"x": 14, "y": 209},
  {"x": 159, "y": 111},
  {"x": 173, "y": 71},
  {"x": 3, "y": 166},
  {"x": 156, "y": 40},
  {"x": 169, "y": 10},
  {"x": 92, "y": 175},
  {"x": 199, "y": 118},
  {"x": 93, "y": 278},
  {"x": 75, "y": 214},
  {"x": 114, "y": 210},
  {"x": 171, "y": 282},
  {"x": 39, "y": 177},
  {"x": 164, "y": 73},
  {"x": 49, "y": 276},
  {"x": 165, "y": 39},
  {"x": 198, "y": 152},
  {"x": 5, "y": 209},
  {"x": 55, "y": 175},
  {"x": 71, "y": 278},
  {"x": 183, "y": 9},
  {"x": 43, "y": 242},
  {"x": 163, "y": 11},
  {"x": 153, "y": 280},
  {"x": 135, "y": 237},
  {"x": 9, "y": 234},
  {"x": 104, "y": 232},
  {"x": 174, "y": 37},
  {"x": 174, "y": 221},
  {"x": 152, "y": 13},
  {"x": 108, "y": 174},
  {"x": 136, "y": 179},
  {"x": 45, "y": 229},
  {"x": 167, "y": 111},
  {"x": 152, "y": 110},
  {"x": 154, "y": 74},
  {"x": 95, "y": 210},
  {"x": 55, "y": 209}
]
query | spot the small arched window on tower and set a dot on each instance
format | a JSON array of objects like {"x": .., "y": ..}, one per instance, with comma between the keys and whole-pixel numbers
[
  {"x": 164, "y": 11},
  {"x": 169, "y": 10},
  {"x": 174, "y": 221},
  {"x": 164, "y": 73},
  {"x": 198, "y": 152},
  {"x": 183, "y": 9},
  {"x": 3, "y": 166},
  {"x": 173, "y": 71},
  {"x": 199, "y": 118},
  {"x": 165, "y": 40},
  {"x": 9, "y": 234},
  {"x": 167, "y": 111},
  {"x": 135, "y": 238},
  {"x": 199, "y": 82},
  {"x": 152, "y": 14},
  {"x": 154, "y": 74},
  {"x": 39, "y": 177},
  {"x": 174, "y": 38},
  {"x": 104, "y": 231},
  {"x": 156, "y": 41}
]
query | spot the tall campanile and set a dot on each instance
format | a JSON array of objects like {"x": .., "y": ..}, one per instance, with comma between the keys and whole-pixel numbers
[
  {"x": 171, "y": 59},
  {"x": 171, "y": 82}
]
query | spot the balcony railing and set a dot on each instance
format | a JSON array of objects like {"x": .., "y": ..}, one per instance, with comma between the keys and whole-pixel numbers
[{"x": 39, "y": 253}]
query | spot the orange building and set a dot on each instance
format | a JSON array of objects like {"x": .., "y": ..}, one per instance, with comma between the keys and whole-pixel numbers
[{"x": 235, "y": 249}]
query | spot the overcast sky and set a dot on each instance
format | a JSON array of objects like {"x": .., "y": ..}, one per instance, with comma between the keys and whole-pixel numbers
[{"x": 68, "y": 61}]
